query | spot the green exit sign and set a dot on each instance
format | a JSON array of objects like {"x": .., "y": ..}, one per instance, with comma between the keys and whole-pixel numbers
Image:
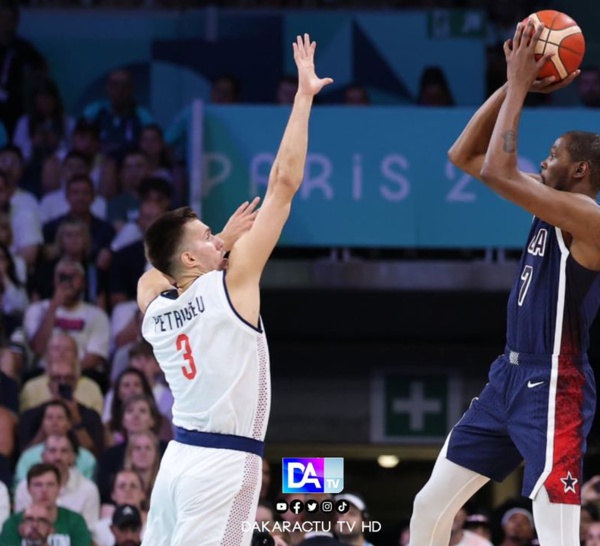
[{"x": 411, "y": 408}]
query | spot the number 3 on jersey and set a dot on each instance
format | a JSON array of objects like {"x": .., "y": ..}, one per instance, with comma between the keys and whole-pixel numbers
[{"x": 183, "y": 342}]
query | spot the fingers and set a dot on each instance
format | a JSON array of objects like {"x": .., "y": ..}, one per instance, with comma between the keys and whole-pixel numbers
[
  {"x": 507, "y": 46},
  {"x": 538, "y": 33},
  {"x": 518, "y": 34},
  {"x": 253, "y": 204},
  {"x": 326, "y": 81}
]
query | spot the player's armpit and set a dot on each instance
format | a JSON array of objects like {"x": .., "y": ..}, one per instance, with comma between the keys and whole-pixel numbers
[{"x": 149, "y": 287}]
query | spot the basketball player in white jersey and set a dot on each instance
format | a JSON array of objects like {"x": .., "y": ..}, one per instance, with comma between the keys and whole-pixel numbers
[{"x": 203, "y": 322}]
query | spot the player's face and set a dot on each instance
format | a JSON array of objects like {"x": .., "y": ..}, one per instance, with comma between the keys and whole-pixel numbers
[
  {"x": 555, "y": 170},
  {"x": 207, "y": 249}
]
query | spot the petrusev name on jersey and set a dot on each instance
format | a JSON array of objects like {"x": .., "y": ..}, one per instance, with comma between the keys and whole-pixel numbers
[{"x": 177, "y": 318}]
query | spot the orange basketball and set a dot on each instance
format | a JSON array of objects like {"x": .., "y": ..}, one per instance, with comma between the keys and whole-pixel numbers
[{"x": 561, "y": 36}]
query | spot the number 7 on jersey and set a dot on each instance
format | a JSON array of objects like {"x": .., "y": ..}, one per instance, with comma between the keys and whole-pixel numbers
[{"x": 183, "y": 342}]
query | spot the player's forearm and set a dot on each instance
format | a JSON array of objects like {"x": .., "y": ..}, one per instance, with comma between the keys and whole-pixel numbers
[
  {"x": 501, "y": 158},
  {"x": 40, "y": 339},
  {"x": 476, "y": 136},
  {"x": 288, "y": 169}
]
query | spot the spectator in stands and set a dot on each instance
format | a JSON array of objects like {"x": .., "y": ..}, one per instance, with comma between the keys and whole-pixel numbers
[
  {"x": 6, "y": 236},
  {"x": 266, "y": 480},
  {"x": 297, "y": 536},
  {"x": 21, "y": 205},
  {"x": 153, "y": 147},
  {"x": 88, "y": 324},
  {"x": 127, "y": 488},
  {"x": 225, "y": 90},
  {"x": 129, "y": 258},
  {"x": 101, "y": 168},
  {"x": 286, "y": 90},
  {"x": 36, "y": 526},
  {"x": 43, "y": 484},
  {"x": 518, "y": 527},
  {"x": 143, "y": 456},
  {"x": 4, "y": 503},
  {"x": 434, "y": 89},
  {"x": 56, "y": 204},
  {"x": 459, "y": 536},
  {"x": 125, "y": 206},
  {"x": 72, "y": 241},
  {"x": 356, "y": 95},
  {"x": 133, "y": 232},
  {"x": 77, "y": 492},
  {"x": 593, "y": 535},
  {"x": 45, "y": 118},
  {"x": 13, "y": 297},
  {"x": 126, "y": 526},
  {"x": 479, "y": 524},
  {"x": 80, "y": 197},
  {"x": 131, "y": 382},
  {"x": 589, "y": 515},
  {"x": 349, "y": 526},
  {"x": 139, "y": 417},
  {"x": 119, "y": 118},
  {"x": 61, "y": 377},
  {"x": 22, "y": 65},
  {"x": 56, "y": 421},
  {"x": 141, "y": 357},
  {"x": 588, "y": 86}
]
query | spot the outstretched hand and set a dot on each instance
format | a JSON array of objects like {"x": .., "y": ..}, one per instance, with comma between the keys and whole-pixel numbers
[
  {"x": 304, "y": 55},
  {"x": 239, "y": 223}
]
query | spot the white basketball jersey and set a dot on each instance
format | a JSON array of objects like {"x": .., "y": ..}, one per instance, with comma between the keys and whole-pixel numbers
[{"x": 216, "y": 364}]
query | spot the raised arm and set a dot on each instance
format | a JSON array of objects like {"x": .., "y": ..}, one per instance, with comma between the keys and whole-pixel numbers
[
  {"x": 251, "y": 252},
  {"x": 576, "y": 213},
  {"x": 469, "y": 149}
]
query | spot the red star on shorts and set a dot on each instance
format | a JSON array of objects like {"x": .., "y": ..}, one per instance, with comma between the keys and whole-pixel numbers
[{"x": 569, "y": 483}]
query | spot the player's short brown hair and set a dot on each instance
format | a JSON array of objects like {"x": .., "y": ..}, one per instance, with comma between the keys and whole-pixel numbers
[
  {"x": 585, "y": 146},
  {"x": 164, "y": 236}
]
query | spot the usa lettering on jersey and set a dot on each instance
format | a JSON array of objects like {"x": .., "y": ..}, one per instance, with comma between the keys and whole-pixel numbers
[
  {"x": 537, "y": 246},
  {"x": 175, "y": 319}
]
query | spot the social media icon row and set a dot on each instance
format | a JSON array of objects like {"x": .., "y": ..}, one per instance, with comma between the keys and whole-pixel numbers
[{"x": 311, "y": 506}]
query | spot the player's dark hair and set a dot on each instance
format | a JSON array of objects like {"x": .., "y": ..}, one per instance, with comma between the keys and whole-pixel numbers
[
  {"x": 585, "y": 146},
  {"x": 164, "y": 236}
]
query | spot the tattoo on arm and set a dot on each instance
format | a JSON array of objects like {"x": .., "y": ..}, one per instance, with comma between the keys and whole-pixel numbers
[{"x": 510, "y": 142}]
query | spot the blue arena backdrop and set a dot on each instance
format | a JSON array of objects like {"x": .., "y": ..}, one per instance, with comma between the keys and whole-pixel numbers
[
  {"x": 375, "y": 176},
  {"x": 174, "y": 56}
]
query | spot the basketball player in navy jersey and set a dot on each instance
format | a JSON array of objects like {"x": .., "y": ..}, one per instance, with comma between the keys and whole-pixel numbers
[
  {"x": 539, "y": 403},
  {"x": 203, "y": 322}
]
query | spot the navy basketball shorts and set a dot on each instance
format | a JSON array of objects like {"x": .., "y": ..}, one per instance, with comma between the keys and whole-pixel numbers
[{"x": 535, "y": 408}]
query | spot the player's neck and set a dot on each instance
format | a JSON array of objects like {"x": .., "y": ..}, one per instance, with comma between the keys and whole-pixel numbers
[{"x": 185, "y": 281}]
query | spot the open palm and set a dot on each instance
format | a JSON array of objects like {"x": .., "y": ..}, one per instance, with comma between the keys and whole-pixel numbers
[{"x": 304, "y": 55}]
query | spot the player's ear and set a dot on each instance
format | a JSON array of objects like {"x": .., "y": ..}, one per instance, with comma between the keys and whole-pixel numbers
[
  {"x": 187, "y": 259},
  {"x": 582, "y": 169}
]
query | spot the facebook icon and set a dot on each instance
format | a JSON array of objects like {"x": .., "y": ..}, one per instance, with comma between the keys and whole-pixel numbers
[{"x": 313, "y": 475}]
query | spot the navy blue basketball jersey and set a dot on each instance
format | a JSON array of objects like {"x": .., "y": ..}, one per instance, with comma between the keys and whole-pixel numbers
[{"x": 553, "y": 300}]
